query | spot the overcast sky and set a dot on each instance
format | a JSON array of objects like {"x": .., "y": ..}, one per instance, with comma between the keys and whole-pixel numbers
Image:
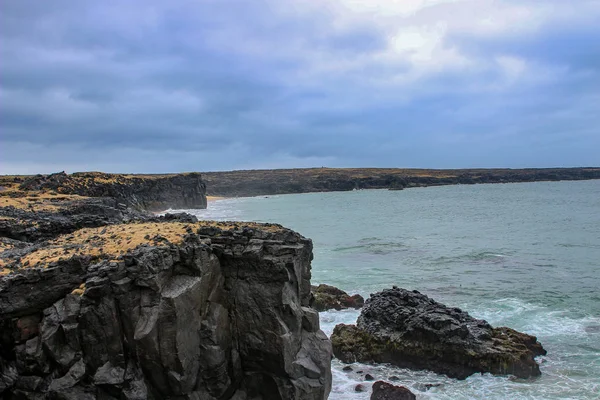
[{"x": 168, "y": 86}]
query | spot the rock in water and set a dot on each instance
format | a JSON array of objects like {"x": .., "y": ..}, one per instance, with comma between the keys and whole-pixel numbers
[
  {"x": 328, "y": 297},
  {"x": 408, "y": 329},
  {"x": 386, "y": 391},
  {"x": 213, "y": 311}
]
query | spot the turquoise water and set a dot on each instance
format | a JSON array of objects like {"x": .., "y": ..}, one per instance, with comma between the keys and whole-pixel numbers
[{"x": 521, "y": 255}]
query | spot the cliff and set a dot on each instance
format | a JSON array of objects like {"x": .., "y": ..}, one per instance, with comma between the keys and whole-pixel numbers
[
  {"x": 142, "y": 192},
  {"x": 303, "y": 180},
  {"x": 162, "y": 310},
  {"x": 45, "y": 206}
]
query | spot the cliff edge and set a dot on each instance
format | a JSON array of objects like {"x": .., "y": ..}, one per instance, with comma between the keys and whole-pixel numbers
[
  {"x": 142, "y": 192},
  {"x": 162, "y": 310}
]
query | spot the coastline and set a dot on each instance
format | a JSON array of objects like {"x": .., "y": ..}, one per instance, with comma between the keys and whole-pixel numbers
[
  {"x": 251, "y": 183},
  {"x": 214, "y": 198}
]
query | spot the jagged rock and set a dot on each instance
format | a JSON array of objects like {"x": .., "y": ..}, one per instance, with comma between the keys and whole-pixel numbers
[
  {"x": 144, "y": 193},
  {"x": 218, "y": 316},
  {"x": 328, "y": 297},
  {"x": 386, "y": 391},
  {"x": 408, "y": 329}
]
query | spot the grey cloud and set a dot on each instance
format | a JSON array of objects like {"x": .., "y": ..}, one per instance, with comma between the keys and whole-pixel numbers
[{"x": 156, "y": 87}]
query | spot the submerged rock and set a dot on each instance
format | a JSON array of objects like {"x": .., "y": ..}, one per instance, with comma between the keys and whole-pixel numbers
[
  {"x": 213, "y": 311},
  {"x": 408, "y": 329},
  {"x": 328, "y": 297},
  {"x": 386, "y": 391}
]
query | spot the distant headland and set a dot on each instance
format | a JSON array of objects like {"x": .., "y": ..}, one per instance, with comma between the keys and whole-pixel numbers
[{"x": 303, "y": 180}]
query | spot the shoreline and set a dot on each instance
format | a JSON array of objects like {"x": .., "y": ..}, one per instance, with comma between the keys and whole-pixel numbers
[
  {"x": 215, "y": 198},
  {"x": 251, "y": 183},
  {"x": 211, "y": 198}
]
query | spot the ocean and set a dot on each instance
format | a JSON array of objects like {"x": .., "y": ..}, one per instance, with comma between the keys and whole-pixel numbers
[{"x": 523, "y": 255}]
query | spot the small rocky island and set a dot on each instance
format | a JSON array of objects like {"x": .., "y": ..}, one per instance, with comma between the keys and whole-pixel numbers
[{"x": 410, "y": 330}]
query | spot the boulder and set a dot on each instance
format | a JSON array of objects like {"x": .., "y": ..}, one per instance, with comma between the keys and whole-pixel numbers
[
  {"x": 327, "y": 297},
  {"x": 410, "y": 330},
  {"x": 386, "y": 391}
]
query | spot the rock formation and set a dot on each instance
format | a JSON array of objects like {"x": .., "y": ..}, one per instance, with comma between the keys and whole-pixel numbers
[
  {"x": 162, "y": 310},
  {"x": 142, "y": 192},
  {"x": 303, "y": 180},
  {"x": 386, "y": 391},
  {"x": 328, "y": 297},
  {"x": 45, "y": 206},
  {"x": 408, "y": 329}
]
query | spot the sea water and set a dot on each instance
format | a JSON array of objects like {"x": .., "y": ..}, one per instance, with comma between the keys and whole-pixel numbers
[{"x": 523, "y": 255}]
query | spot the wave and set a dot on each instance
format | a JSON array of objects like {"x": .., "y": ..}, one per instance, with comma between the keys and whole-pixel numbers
[
  {"x": 494, "y": 257},
  {"x": 374, "y": 245},
  {"x": 569, "y": 370}
]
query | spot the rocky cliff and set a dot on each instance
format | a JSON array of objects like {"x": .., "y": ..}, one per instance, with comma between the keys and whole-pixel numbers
[
  {"x": 162, "y": 310},
  {"x": 303, "y": 180},
  {"x": 142, "y": 192}
]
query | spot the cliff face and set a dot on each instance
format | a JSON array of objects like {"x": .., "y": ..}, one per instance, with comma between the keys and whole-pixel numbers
[
  {"x": 163, "y": 310},
  {"x": 302, "y": 180},
  {"x": 142, "y": 192}
]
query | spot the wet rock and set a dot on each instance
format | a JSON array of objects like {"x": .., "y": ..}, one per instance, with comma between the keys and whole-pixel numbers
[
  {"x": 359, "y": 388},
  {"x": 369, "y": 377},
  {"x": 408, "y": 329},
  {"x": 386, "y": 391},
  {"x": 328, "y": 297},
  {"x": 423, "y": 387},
  {"x": 347, "y": 368}
]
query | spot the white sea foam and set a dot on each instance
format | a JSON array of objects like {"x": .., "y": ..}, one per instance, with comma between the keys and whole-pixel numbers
[{"x": 560, "y": 379}]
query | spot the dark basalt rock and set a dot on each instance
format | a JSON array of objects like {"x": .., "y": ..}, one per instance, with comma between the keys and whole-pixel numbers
[
  {"x": 224, "y": 316},
  {"x": 328, "y": 297},
  {"x": 23, "y": 227},
  {"x": 408, "y": 329},
  {"x": 144, "y": 193},
  {"x": 34, "y": 226},
  {"x": 386, "y": 391}
]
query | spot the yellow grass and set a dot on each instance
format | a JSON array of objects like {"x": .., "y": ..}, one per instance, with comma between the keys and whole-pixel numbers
[
  {"x": 80, "y": 290},
  {"x": 110, "y": 242},
  {"x": 38, "y": 201}
]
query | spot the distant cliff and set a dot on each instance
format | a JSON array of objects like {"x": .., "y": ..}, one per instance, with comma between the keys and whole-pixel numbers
[
  {"x": 142, "y": 192},
  {"x": 303, "y": 180},
  {"x": 162, "y": 310}
]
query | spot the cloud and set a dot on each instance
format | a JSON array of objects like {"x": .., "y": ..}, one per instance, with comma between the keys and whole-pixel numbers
[{"x": 151, "y": 86}]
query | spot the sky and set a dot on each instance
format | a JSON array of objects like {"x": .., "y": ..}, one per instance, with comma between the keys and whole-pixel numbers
[{"x": 169, "y": 86}]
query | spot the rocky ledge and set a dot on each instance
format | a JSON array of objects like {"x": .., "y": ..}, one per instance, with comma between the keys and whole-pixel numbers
[
  {"x": 142, "y": 192},
  {"x": 328, "y": 297},
  {"x": 33, "y": 209},
  {"x": 408, "y": 329},
  {"x": 162, "y": 310}
]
